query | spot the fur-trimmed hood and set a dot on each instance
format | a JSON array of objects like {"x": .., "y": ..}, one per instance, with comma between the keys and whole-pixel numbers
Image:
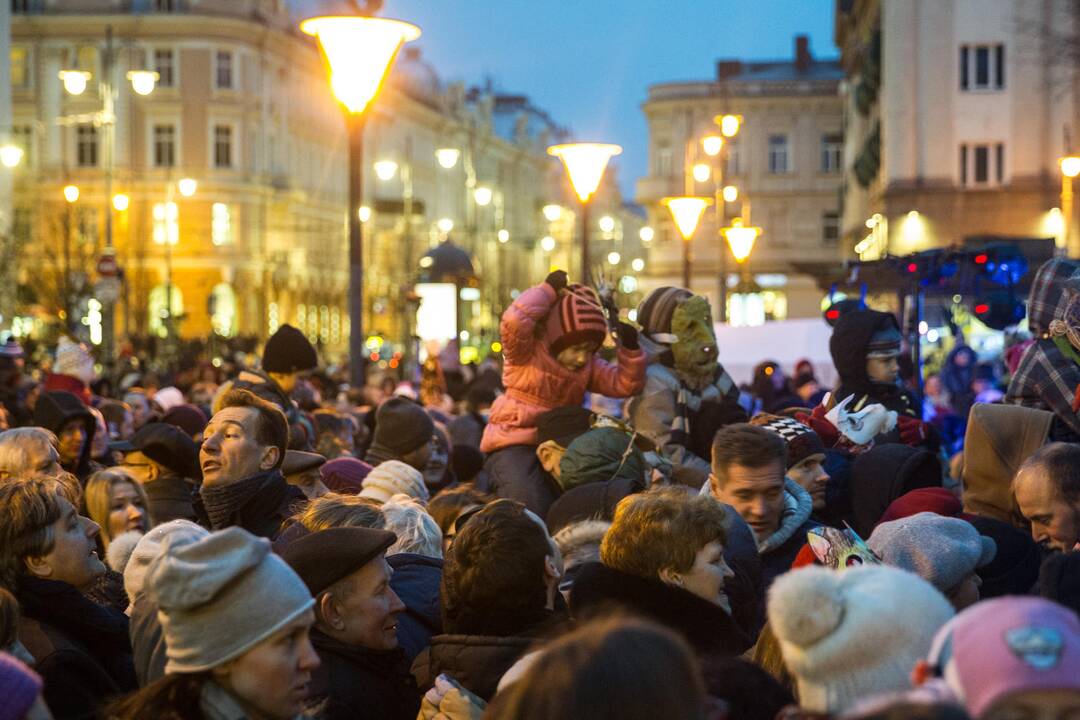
[{"x": 797, "y": 508}]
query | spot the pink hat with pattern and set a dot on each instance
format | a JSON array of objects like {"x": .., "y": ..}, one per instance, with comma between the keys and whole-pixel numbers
[
  {"x": 576, "y": 317},
  {"x": 1007, "y": 645}
]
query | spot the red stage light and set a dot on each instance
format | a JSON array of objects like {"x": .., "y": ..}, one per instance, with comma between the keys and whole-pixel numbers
[
  {"x": 833, "y": 314},
  {"x": 912, "y": 267},
  {"x": 981, "y": 259},
  {"x": 982, "y": 308}
]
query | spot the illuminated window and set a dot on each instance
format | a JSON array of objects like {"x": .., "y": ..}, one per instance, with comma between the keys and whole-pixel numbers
[
  {"x": 223, "y": 317},
  {"x": 221, "y": 224},
  {"x": 20, "y": 68},
  {"x": 86, "y": 146},
  {"x": 166, "y": 223},
  {"x": 159, "y": 313},
  {"x": 751, "y": 309}
]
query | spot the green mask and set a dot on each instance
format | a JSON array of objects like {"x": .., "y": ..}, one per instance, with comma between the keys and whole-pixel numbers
[{"x": 695, "y": 351}]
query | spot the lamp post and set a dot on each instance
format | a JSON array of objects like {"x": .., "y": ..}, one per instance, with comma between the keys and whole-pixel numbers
[
  {"x": 686, "y": 211},
  {"x": 585, "y": 164},
  {"x": 1070, "y": 168},
  {"x": 741, "y": 238},
  {"x": 359, "y": 51},
  {"x": 170, "y": 236}
]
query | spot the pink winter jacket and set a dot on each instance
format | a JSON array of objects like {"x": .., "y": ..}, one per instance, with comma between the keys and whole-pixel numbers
[{"x": 535, "y": 382}]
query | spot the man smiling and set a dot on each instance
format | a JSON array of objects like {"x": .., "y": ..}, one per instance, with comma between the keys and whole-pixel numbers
[
  {"x": 363, "y": 672},
  {"x": 241, "y": 455}
]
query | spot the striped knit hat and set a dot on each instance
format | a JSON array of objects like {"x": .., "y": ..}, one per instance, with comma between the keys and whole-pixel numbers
[
  {"x": 801, "y": 441},
  {"x": 655, "y": 312},
  {"x": 576, "y": 317}
]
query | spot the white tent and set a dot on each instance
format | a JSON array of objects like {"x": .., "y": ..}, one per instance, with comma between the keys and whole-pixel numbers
[{"x": 784, "y": 341}]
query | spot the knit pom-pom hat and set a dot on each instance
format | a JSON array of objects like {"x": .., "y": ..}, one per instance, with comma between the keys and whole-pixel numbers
[
  {"x": 845, "y": 636},
  {"x": 74, "y": 360},
  {"x": 576, "y": 317}
]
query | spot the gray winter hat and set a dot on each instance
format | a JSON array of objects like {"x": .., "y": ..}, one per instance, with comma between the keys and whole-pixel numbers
[
  {"x": 941, "y": 550},
  {"x": 220, "y": 596}
]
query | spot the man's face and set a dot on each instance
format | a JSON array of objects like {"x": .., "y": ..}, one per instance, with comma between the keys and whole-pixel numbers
[
  {"x": 272, "y": 678},
  {"x": 43, "y": 459},
  {"x": 141, "y": 468},
  {"x": 435, "y": 469},
  {"x": 695, "y": 351},
  {"x": 72, "y": 439},
  {"x": 1054, "y": 522},
  {"x": 230, "y": 451},
  {"x": 310, "y": 483},
  {"x": 811, "y": 476},
  {"x": 73, "y": 558},
  {"x": 371, "y": 608},
  {"x": 883, "y": 369},
  {"x": 756, "y": 493},
  {"x": 140, "y": 409}
]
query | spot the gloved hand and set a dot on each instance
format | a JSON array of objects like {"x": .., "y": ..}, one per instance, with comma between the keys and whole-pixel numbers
[
  {"x": 627, "y": 336},
  {"x": 448, "y": 700},
  {"x": 557, "y": 279},
  {"x": 817, "y": 422},
  {"x": 913, "y": 431}
]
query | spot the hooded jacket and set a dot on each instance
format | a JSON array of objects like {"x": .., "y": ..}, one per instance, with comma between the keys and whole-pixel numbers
[
  {"x": 881, "y": 475},
  {"x": 536, "y": 382},
  {"x": 1047, "y": 379},
  {"x": 416, "y": 581},
  {"x": 56, "y": 409},
  {"x": 999, "y": 438},
  {"x": 680, "y": 421},
  {"x": 848, "y": 347},
  {"x": 358, "y": 682}
]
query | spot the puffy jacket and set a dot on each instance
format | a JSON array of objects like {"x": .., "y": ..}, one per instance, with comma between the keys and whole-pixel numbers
[{"x": 536, "y": 382}]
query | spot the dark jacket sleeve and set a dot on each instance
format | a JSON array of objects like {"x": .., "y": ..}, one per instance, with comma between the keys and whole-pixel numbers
[{"x": 74, "y": 688}]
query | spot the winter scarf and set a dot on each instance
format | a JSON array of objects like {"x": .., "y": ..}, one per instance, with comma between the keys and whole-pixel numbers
[{"x": 251, "y": 504}]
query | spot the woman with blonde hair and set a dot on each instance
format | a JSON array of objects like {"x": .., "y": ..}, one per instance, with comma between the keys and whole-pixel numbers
[{"x": 116, "y": 502}]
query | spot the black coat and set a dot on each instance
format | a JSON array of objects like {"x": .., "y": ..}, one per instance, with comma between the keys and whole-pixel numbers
[
  {"x": 884, "y": 473},
  {"x": 81, "y": 649},
  {"x": 171, "y": 498},
  {"x": 416, "y": 581},
  {"x": 57, "y": 408},
  {"x": 358, "y": 683},
  {"x": 848, "y": 347}
]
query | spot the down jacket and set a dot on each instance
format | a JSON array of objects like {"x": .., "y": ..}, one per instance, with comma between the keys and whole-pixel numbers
[{"x": 536, "y": 382}]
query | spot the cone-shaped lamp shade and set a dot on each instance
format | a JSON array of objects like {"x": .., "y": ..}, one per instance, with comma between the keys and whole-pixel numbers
[
  {"x": 741, "y": 239},
  {"x": 585, "y": 164},
  {"x": 360, "y": 51},
  {"x": 686, "y": 212}
]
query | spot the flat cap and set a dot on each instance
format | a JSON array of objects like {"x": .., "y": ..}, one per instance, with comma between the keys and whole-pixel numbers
[
  {"x": 324, "y": 557},
  {"x": 166, "y": 445},
  {"x": 298, "y": 461}
]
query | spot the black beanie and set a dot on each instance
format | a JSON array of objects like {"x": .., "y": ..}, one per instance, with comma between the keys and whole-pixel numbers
[
  {"x": 288, "y": 351},
  {"x": 401, "y": 426}
]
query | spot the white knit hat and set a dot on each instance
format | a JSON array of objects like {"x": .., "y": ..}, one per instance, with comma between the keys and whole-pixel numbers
[
  {"x": 392, "y": 477},
  {"x": 150, "y": 546},
  {"x": 74, "y": 359},
  {"x": 846, "y": 636},
  {"x": 168, "y": 397}
]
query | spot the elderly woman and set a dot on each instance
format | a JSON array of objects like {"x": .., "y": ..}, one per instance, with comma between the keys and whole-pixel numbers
[
  {"x": 28, "y": 451},
  {"x": 117, "y": 503}
]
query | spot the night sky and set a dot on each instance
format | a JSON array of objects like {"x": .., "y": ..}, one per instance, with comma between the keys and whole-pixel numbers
[{"x": 588, "y": 62}]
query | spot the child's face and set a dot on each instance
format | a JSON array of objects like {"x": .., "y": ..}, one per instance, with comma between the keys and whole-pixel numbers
[
  {"x": 883, "y": 369},
  {"x": 577, "y": 356}
]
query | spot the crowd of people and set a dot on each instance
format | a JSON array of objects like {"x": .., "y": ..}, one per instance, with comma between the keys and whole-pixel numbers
[{"x": 266, "y": 542}]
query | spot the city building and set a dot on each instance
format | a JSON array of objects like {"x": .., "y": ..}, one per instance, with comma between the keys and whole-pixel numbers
[
  {"x": 6, "y": 173},
  {"x": 956, "y": 113},
  {"x": 241, "y": 105},
  {"x": 785, "y": 164}
]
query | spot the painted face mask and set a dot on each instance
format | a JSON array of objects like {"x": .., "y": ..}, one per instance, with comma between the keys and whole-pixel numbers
[
  {"x": 840, "y": 549},
  {"x": 695, "y": 350}
]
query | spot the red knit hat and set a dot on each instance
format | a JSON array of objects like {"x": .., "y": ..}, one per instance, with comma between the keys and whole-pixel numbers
[
  {"x": 928, "y": 499},
  {"x": 576, "y": 317}
]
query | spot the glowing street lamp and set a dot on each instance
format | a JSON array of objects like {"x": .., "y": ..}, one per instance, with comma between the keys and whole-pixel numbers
[
  {"x": 359, "y": 52},
  {"x": 75, "y": 81},
  {"x": 741, "y": 239},
  {"x": 142, "y": 82},
  {"x": 637, "y": 264},
  {"x": 504, "y": 236},
  {"x": 607, "y": 223},
  {"x": 11, "y": 155},
  {"x": 447, "y": 157},
  {"x": 712, "y": 145},
  {"x": 547, "y": 243},
  {"x": 730, "y": 193},
  {"x": 364, "y": 213},
  {"x": 552, "y": 212},
  {"x": 729, "y": 124},
  {"x": 686, "y": 212},
  {"x": 646, "y": 234},
  {"x": 121, "y": 202},
  {"x": 482, "y": 195},
  {"x": 585, "y": 164},
  {"x": 385, "y": 170},
  {"x": 702, "y": 172},
  {"x": 71, "y": 193},
  {"x": 445, "y": 225},
  {"x": 187, "y": 187},
  {"x": 614, "y": 258}
]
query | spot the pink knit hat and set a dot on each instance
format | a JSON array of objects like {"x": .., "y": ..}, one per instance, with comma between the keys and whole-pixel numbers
[
  {"x": 1008, "y": 645},
  {"x": 576, "y": 317}
]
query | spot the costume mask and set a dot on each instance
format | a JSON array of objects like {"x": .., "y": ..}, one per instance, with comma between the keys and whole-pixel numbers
[
  {"x": 840, "y": 549},
  {"x": 695, "y": 350},
  {"x": 863, "y": 426}
]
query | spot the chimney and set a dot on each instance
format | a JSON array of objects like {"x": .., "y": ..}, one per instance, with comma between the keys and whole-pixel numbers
[
  {"x": 728, "y": 68},
  {"x": 802, "y": 53}
]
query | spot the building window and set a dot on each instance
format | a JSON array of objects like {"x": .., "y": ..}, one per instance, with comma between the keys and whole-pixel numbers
[
  {"x": 166, "y": 6},
  {"x": 830, "y": 228},
  {"x": 223, "y": 146},
  {"x": 982, "y": 67},
  {"x": 20, "y": 6},
  {"x": 734, "y": 157},
  {"x": 20, "y": 68},
  {"x": 86, "y": 59},
  {"x": 164, "y": 145},
  {"x": 164, "y": 66},
  {"x": 86, "y": 146},
  {"x": 778, "y": 154},
  {"x": 223, "y": 75},
  {"x": 221, "y": 224},
  {"x": 982, "y": 165},
  {"x": 162, "y": 314},
  {"x": 166, "y": 223},
  {"x": 663, "y": 160},
  {"x": 832, "y": 153},
  {"x": 22, "y": 136}
]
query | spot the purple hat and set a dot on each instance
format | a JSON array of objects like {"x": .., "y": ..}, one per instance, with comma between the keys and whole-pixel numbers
[
  {"x": 19, "y": 687},
  {"x": 1008, "y": 645},
  {"x": 345, "y": 475}
]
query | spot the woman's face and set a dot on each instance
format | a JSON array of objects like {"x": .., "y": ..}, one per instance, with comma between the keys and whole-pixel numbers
[
  {"x": 707, "y": 576},
  {"x": 126, "y": 510},
  {"x": 271, "y": 680}
]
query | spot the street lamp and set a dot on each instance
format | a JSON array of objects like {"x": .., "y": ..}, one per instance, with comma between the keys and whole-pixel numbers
[
  {"x": 606, "y": 223},
  {"x": 11, "y": 155},
  {"x": 187, "y": 187},
  {"x": 637, "y": 264},
  {"x": 614, "y": 258},
  {"x": 385, "y": 170},
  {"x": 712, "y": 145},
  {"x": 359, "y": 51},
  {"x": 585, "y": 164},
  {"x": 504, "y": 236},
  {"x": 142, "y": 82},
  {"x": 730, "y": 193},
  {"x": 71, "y": 193},
  {"x": 702, "y": 172},
  {"x": 741, "y": 239},
  {"x": 1070, "y": 168},
  {"x": 75, "y": 81},
  {"x": 552, "y": 212},
  {"x": 447, "y": 157},
  {"x": 483, "y": 196},
  {"x": 686, "y": 212},
  {"x": 646, "y": 234},
  {"x": 547, "y": 243},
  {"x": 121, "y": 202},
  {"x": 729, "y": 124}
]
